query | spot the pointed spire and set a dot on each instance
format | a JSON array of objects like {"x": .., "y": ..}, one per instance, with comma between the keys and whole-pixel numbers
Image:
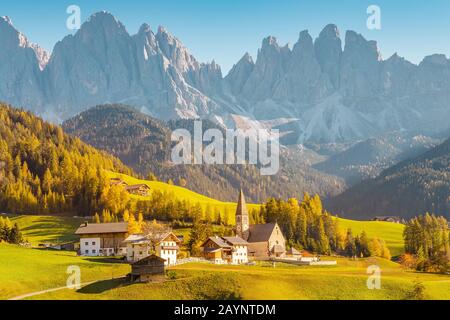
[{"x": 242, "y": 205}]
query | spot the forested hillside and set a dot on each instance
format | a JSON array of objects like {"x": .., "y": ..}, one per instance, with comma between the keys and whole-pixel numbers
[
  {"x": 143, "y": 143},
  {"x": 411, "y": 188},
  {"x": 43, "y": 170}
]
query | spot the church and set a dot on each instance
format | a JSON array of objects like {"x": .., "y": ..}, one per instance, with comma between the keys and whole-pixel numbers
[{"x": 264, "y": 240}]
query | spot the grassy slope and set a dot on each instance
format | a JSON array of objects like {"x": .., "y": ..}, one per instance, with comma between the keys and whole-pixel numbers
[
  {"x": 392, "y": 233},
  {"x": 24, "y": 270},
  {"x": 206, "y": 281},
  {"x": 50, "y": 229},
  {"x": 183, "y": 193}
]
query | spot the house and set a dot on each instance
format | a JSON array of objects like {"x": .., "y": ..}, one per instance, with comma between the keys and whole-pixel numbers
[
  {"x": 222, "y": 250},
  {"x": 103, "y": 239},
  {"x": 138, "y": 189},
  {"x": 148, "y": 269},
  {"x": 264, "y": 240},
  {"x": 167, "y": 248},
  {"x": 118, "y": 182},
  {"x": 138, "y": 247},
  {"x": 388, "y": 219}
]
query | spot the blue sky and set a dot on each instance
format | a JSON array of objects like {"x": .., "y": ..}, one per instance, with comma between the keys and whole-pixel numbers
[{"x": 225, "y": 29}]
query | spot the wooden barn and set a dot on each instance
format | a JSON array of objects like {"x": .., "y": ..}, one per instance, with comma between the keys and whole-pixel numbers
[
  {"x": 148, "y": 269},
  {"x": 138, "y": 189}
]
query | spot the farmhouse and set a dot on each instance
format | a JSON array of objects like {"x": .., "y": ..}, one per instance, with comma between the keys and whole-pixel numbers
[
  {"x": 167, "y": 248},
  {"x": 264, "y": 240},
  {"x": 388, "y": 219},
  {"x": 226, "y": 250},
  {"x": 102, "y": 239},
  {"x": 118, "y": 182},
  {"x": 148, "y": 269},
  {"x": 138, "y": 189},
  {"x": 140, "y": 246}
]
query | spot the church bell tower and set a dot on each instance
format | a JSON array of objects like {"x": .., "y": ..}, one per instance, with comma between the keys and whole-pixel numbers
[{"x": 242, "y": 220}]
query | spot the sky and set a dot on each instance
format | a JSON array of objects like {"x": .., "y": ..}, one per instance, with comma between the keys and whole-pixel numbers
[{"x": 224, "y": 30}]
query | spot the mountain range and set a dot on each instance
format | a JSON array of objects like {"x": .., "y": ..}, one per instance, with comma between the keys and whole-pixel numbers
[
  {"x": 143, "y": 143},
  {"x": 321, "y": 90},
  {"x": 408, "y": 189}
]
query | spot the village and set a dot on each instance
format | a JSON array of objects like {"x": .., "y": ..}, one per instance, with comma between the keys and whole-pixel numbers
[{"x": 152, "y": 251}]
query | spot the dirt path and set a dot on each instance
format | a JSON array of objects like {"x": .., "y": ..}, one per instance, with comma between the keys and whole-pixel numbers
[{"x": 28, "y": 295}]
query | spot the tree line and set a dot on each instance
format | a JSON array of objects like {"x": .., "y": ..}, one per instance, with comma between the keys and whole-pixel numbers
[
  {"x": 9, "y": 232},
  {"x": 306, "y": 225},
  {"x": 427, "y": 244},
  {"x": 45, "y": 171}
]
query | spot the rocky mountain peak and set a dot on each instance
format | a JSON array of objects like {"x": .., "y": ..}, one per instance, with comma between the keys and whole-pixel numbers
[
  {"x": 6, "y": 19},
  {"x": 144, "y": 28},
  {"x": 270, "y": 41},
  {"x": 304, "y": 43},
  {"x": 328, "y": 48},
  {"x": 435, "y": 60}
]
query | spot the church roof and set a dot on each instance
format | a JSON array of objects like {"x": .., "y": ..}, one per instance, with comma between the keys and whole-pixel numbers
[
  {"x": 242, "y": 205},
  {"x": 261, "y": 232}
]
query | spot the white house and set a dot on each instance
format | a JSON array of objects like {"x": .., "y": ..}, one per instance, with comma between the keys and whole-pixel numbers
[
  {"x": 102, "y": 239},
  {"x": 167, "y": 248},
  {"x": 138, "y": 247},
  {"x": 220, "y": 250}
]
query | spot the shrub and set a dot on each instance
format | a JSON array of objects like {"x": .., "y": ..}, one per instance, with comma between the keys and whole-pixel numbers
[{"x": 172, "y": 275}]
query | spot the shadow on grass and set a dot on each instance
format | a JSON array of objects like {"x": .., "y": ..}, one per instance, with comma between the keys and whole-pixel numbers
[
  {"x": 106, "y": 260},
  {"x": 103, "y": 286}
]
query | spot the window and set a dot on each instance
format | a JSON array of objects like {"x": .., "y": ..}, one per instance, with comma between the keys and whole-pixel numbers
[
  {"x": 93, "y": 251},
  {"x": 86, "y": 243},
  {"x": 86, "y": 251},
  {"x": 93, "y": 243}
]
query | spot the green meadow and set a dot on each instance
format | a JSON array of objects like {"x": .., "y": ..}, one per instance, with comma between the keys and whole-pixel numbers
[
  {"x": 391, "y": 233},
  {"x": 200, "y": 281},
  {"x": 47, "y": 229},
  {"x": 24, "y": 270}
]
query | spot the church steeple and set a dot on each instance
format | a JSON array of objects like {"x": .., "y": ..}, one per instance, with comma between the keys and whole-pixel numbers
[{"x": 242, "y": 220}]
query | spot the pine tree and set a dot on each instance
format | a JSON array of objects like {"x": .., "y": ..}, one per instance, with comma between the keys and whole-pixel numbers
[{"x": 96, "y": 218}]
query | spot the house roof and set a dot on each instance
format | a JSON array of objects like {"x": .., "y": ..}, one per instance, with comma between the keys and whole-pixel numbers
[
  {"x": 136, "y": 238},
  {"x": 93, "y": 228},
  {"x": 235, "y": 240},
  {"x": 117, "y": 181},
  {"x": 384, "y": 218},
  {"x": 137, "y": 186},
  {"x": 171, "y": 236},
  {"x": 261, "y": 232},
  {"x": 218, "y": 241}
]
